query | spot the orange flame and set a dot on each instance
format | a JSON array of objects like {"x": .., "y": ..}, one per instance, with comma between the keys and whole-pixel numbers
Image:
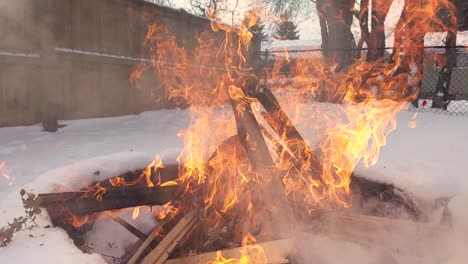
[
  {"x": 136, "y": 212},
  {"x": 5, "y": 173},
  {"x": 78, "y": 220},
  {"x": 366, "y": 98},
  {"x": 249, "y": 253}
]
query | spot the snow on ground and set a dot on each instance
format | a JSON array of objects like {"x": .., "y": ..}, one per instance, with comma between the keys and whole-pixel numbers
[
  {"x": 39, "y": 161},
  {"x": 427, "y": 160},
  {"x": 50, "y": 245},
  {"x": 28, "y": 152}
]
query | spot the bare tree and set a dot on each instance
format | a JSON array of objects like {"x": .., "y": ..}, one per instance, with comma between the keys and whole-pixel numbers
[
  {"x": 336, "y": 18},
  {"x": 205, "y": 7},
  {"x": 376, "y": 42},
  {"x": 363, "y": 16}
]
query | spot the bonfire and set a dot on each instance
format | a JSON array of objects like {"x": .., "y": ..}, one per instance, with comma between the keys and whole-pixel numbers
[{"x": 248, "y": 188}]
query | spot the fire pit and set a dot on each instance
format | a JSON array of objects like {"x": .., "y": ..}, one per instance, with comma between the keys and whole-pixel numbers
[
  {"x": 265, "y": 188},
  {"x": 264, "y": 220}
]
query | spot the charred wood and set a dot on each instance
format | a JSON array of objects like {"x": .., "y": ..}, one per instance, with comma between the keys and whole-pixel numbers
[
  {"x": 259, "y": 156},
  {"x": 84, "y": 202}
]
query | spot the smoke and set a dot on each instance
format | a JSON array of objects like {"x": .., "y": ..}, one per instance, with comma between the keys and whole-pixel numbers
[
  {"x": 442, "y": 244},
  {"x": 457, "y": 241}
]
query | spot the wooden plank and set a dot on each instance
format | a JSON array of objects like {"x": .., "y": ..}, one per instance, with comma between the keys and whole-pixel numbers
[
  {"x": 136, "y": 256},
  {"x": 126, "y": 225},
  {"x": 285, "y": 129},
  {"x": 114, "y": 198},
  {"x": 275, "y": 252},
  {"x": 161, "y": 253},
  {"x": 271, "y": 186},
  {"x": 283, "y": 125}
]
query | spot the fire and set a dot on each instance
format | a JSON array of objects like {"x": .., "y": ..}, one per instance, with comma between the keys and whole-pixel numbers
[
  {"x": 198, "y": 77},
  {"x": 76, "y": 220},
  {"x": 221, "y": 260},
  {"x": 249, "y": 254},
  {"x": 136, "y": 212},
  {"x": 353, "y": 111},
  {"x": 145, "y": 177},
  {"x": 412, "y": 123},
  {"x": 207, "y": 77},
  {"x": 167, "y": 210},
  {"x": 5, "y": 172}
]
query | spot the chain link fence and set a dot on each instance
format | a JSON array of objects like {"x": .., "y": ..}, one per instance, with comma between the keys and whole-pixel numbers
[
  {"x": 457, "y": 97},
  {"x": 434, "y": 59}
]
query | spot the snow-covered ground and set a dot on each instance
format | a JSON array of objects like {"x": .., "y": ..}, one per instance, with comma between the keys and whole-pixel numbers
[
  {"x": 41, "y": 161},
  {"x": 428, "y": 160}
]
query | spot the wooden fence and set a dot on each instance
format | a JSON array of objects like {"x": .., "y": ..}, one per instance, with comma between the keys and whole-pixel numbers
[{"x": 73, "y": 58}]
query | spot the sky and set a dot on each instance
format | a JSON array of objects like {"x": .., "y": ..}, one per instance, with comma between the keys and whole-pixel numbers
[
  {"x": 309, "y": 28},
  {"x": 307, "y": 21}
]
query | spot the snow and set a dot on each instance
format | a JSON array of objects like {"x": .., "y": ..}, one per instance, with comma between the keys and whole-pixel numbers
[
  {"x": 14, "y": 54},
  {"x": 92, "y": 53},
  {"x": 28, "y": 151},
  {"x": 50, "y": 245},
  {"x": 292, "y": 49},
  {"x": 281, "y": 45},
  {"x": 426, "y": 160},
  {"x": 68, "y": 159}
]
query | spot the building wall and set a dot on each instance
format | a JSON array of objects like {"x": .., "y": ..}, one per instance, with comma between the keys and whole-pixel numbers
[{"x": 73, "y": 59}]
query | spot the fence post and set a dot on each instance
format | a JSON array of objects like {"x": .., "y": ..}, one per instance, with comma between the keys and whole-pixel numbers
[
  {"x": 48, "y": 94},
  {"x": 441, "y": 97}
]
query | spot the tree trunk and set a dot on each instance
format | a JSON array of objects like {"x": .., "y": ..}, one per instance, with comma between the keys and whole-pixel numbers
[
  {"x": 323, "y": 26},
  {"x": 364, "y": 24},
  {"x": 397, "y": 41},
  {"x": 408, "y": 51},
  {"x": 337, "y": 39},
  {"x": 380, "y": 10}
]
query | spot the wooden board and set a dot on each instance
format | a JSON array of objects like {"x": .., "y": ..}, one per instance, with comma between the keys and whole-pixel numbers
[
  {"x": 271, "y": 186},
  {"x": 161, "y": 253},
  {"x": 83, "y": 202},
  {"x": 274, "y": 251}
]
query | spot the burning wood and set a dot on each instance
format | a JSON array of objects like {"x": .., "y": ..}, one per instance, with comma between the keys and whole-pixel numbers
[
  {"x": 242, "y": 193},
  {"x": 161, "y": 253},
  {"x": 360, "y": 228},
  {"x": 87, "y": 202}
]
